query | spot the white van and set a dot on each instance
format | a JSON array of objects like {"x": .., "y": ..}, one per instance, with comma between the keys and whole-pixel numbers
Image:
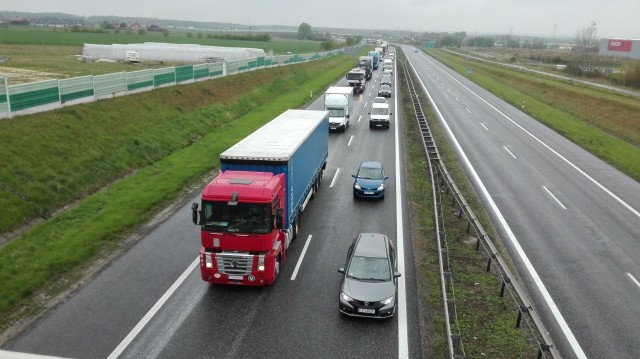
[
  {"x": 132, "y": 57},
  {"x": 379, "y": 115}
]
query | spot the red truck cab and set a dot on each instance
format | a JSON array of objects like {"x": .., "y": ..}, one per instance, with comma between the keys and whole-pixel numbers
[{"x": 241, "y": 228}]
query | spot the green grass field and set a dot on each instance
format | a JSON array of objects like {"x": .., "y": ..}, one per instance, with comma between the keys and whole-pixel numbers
[
  {"x": 65, "y": 37},
  {"x": 122, "y": 160}
]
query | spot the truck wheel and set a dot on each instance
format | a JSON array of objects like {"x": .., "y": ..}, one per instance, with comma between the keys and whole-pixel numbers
[{"x": 296, "y": 228}]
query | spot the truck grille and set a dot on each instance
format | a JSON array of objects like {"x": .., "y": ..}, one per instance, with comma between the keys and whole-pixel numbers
[{"x": 234, "y": 264}]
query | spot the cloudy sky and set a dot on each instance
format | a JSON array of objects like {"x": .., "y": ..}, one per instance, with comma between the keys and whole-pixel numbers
[{"x": 614, "y": 18}]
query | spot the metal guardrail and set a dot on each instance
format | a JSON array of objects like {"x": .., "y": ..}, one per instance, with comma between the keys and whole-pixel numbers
[{"x": 440, "y": 177}]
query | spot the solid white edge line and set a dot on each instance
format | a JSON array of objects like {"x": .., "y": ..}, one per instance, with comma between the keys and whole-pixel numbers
[
  {"x": 403, "y": 341},
  {"x": 152, "y": 312},
  {"x": 304, "y": 250},
  {"x": 554, "y": 197},
  {"x": 334, "y": 178},
  {"x": 512, "y": 155},
  {"x": 6, "y": 354},
  {"x": 525, "y": 259},
  {"x": 634, "y": 279},
  {"x": 485, "y": 127},
  {"x": 350, "y": 139}
]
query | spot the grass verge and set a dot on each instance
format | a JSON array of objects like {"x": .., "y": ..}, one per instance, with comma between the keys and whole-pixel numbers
[
  {"x": 486, "y": 322},
  {"x": 605, "y": 124},
  {"x": 43, "y": 260}
]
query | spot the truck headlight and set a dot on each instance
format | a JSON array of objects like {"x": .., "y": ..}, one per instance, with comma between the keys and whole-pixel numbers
[
  {"x": 387, "y": 301},
  {"x": 208, "y": 260},
  {"x": 261, "y": 263},
  {"x": 345, "y": 297}
]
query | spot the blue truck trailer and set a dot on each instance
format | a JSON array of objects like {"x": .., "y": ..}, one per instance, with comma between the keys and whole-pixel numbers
[
  {"x": 376, "y": 58},
  {"x": 251, "y": 210}
]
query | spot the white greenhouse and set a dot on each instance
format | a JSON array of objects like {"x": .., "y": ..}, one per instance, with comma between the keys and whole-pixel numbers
[{"x": 184, "y": 53}]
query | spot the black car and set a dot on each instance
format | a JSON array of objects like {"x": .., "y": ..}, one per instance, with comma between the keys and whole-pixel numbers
[
  {"x": 386, "y": 80},
  {"x": 384, "y": 91},
  {"x": 369, "y": 282}
]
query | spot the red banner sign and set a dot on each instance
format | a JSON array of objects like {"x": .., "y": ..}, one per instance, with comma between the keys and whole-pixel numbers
[{"x": 619, "y": 45}]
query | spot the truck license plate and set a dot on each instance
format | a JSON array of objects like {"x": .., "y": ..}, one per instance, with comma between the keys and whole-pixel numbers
[
  {"x": 235, "y": 277},
  {"x": 366, "y": 311}
]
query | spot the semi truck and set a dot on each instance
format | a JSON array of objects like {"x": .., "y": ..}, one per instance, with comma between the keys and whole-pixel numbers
[
  {"x": 250, "y": 212},
  {"x": 337, "y": 100},
  {"x": 376, "y": 58},
  {"x": 356, "y": 78},
  {"x": 366, "y": 63}
]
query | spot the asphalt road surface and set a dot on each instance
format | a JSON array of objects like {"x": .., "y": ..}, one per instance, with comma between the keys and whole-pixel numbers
[
  {"x": 569, "y": 220},
  {"x": 150, "y": 302}
]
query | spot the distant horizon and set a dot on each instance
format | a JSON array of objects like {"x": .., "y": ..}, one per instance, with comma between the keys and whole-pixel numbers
[{"x": 512, "y": 30}]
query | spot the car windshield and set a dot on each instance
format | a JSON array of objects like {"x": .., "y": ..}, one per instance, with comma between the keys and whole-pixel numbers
[
  {"x": 369, "y": 269},
  {"x": 241, "y": 218},
  {"x": 379, "y": 111},
  {"x": 370, "y": 173}
]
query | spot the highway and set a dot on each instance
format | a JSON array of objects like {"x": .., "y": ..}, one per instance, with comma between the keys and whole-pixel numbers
[
  {"x": 150, "y": 302},
  {"x": 570, "y": 222}
]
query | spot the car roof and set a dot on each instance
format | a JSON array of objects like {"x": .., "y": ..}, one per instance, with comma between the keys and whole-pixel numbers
[
  {"x": 371, "y": 164},
  {"x": 371, "y": 245},
  {"x": 380, "y": 105}
]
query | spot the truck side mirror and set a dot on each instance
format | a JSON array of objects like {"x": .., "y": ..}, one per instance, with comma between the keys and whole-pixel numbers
[{"x": 194, "y": 213}]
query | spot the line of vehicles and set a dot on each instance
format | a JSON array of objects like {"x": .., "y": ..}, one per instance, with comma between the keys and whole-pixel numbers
[{"x": 250, "y": 212}]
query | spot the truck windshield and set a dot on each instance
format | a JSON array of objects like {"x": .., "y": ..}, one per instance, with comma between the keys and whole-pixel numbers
[
  {"x": 241, "y": 218},
  {"x": 336, "y": 112},
  {"x": 355, "y": 76}
]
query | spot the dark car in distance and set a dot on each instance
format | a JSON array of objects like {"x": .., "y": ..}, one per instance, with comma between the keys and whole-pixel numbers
[
  {"x": 370, "y": 276},
  {"x": 384, "y": 91},
  {"x": 369, "y": 180}
]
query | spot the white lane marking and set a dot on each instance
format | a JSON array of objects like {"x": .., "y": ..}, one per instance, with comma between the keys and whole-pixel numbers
[
  {"x": 457, "y": 99},
  {"x": 512, "y": 155},
  {"x": 304, "y": 250},
  {"x": 5, "y": 354},
  {"x": 350, "y": 139},
  {"x": 403, "y": 341},
  {"x": 598, "y": 184},
  {"x": 634, "y": 279},
  {"x": 467, "y": 110},
  {"x": 365, "y": 104},
  {"x": 359, "y": 117},
  {"x": 485, "y": 127},
  {"x": 152, "y": 312},
  {"x": 334, "y": 178},
  {"x": 525, "y": 259},
  {"x": 449, "y": 91},
  {"x": 554, "y": 197}
]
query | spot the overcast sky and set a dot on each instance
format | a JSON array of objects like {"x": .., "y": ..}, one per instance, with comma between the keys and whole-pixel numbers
[{"x": 614, "y": 18}]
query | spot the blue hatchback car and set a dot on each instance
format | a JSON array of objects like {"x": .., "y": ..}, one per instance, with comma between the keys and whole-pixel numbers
[{"x": 369, "y": 181}]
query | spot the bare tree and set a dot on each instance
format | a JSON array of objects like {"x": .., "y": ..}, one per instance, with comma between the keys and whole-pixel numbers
[{"x": 587, "y": 44}]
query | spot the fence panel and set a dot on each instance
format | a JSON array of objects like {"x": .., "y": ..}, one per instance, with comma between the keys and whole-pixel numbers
[
  {"x": 110, "y": 85},
  {"x": 43, "y": 94},
  {"x": 164, "y": 77},
  {"x": 216, "y": 70},
  {"x": 184, "y": 74},
  {"x": 76, "y": 90},
  {"x": 200, "y": 72},
  {"x": 140, "y": 80},
  {"x": 4, "y": 100}
]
